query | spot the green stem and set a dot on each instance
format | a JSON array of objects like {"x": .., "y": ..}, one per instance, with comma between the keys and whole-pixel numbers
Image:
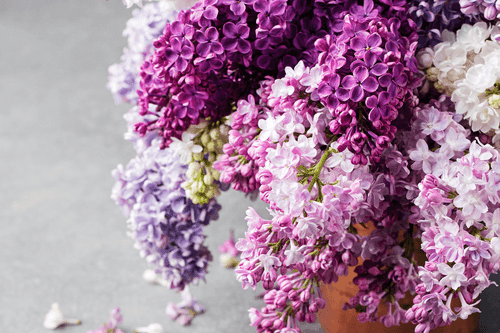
[{"x": 317, "y": 169}]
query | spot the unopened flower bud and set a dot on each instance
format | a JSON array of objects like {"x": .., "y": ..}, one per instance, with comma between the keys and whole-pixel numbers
[
  {"x": 198, "y": 156},
  {"x": 228, "y": 261},
  {"x": 494, "y": 100},
  {"x": 215, "y": 174},
  {"x": 205, "y": 138},
  {"x": 208, "y": 179},
  {"x": 210, "y": 146},
  {"x": 214, "y": 133},
  {"x": 224, "y": 130},
  {"x": 424, "y": 58},
  {"x": 432, "y": 74},
  {"x": 193, "y": 169},
  {"x": 212, "y": 157}
]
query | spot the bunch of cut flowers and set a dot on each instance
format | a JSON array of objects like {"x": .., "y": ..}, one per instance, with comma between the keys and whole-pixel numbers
[{"x": 337, "y": 114}]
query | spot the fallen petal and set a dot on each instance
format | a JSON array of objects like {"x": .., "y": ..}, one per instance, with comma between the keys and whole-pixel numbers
[
  {"x": 54, "y": 318},
  {"x": 151, "y": 328}
]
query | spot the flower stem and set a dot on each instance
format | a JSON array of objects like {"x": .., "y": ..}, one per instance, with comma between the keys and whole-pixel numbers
[{"x": 317, "y": 169}]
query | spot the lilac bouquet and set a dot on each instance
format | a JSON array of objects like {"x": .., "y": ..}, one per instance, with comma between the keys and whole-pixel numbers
[{"x": 337, "y": 114}]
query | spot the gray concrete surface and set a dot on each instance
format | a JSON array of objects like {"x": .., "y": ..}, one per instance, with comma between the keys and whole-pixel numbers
[{"x": 62, "y": 238}]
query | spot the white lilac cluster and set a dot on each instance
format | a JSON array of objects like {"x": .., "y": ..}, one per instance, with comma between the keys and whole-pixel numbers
[
  {"x": 466, "y": 66},
  {"x": 458, "y": 214},
  {"x": 147, "y": 24},
  {"x": 166, "y": 226}
]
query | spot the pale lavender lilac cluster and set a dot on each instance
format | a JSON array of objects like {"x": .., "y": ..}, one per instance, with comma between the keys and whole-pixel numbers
[
  {"x": 166, "y": 226},
  {"x": 146, "y": 24}
]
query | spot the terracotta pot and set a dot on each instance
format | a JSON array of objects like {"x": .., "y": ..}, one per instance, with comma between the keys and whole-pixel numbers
[{"x": 335, "y": 320}]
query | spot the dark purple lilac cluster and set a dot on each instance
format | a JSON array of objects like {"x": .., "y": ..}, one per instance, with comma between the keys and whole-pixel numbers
[
  {"x": 218, "y": 51},
  {"x": 167, "y": 226},
  {"x": 432, "y": 17},
  {"x": 369, "y": 72}
]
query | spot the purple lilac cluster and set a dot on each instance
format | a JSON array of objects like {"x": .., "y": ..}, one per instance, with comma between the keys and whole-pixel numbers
[
  {"x": 368, "y": 73},
  {"x": 389, "y": 270},
  {"x": 218, "y": 51},
  {"x": 167, "y": 227},
  {"x": 326, "y": 124},
  {"x": 432, "y": 17},
  {"x": 146, "y": 24}
]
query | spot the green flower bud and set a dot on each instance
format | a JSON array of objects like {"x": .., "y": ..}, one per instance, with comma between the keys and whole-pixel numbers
[
  {"x": 214, "y": 133},
  {"x": 193, "y": 169},
  {"x": 494, "y": 100},
  {"x": 205, "y": 138},
  {"x": 210, "y": 193},
  {"x": 432, "y": 74},
  {"x": 207, "y": 179},
  {"x": 198, "y": 156}
]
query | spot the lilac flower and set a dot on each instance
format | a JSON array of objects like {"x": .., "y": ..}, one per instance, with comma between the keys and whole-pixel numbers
[
  {"x": 422, "y": 157},
  {"x": 378, "y": 105},
  {"x": 472, "y": 204},
  {"x": 422, "y": 12},
  {"x": 142, "y": 29},
  {"x": 392, "y": 81},
  {"x": 453, "y": 276},
  {"x": 235, "y": 37},
  {"x": 358, "y": 83},
  {"x": 208, "y": 41},
  {"x": 206, "y": 9},
  {"x": 367, "y": 45}
]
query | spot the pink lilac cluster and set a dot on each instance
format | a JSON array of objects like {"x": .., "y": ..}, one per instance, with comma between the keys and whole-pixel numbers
[
  {"x": 458, "y": 215},
  {"x": 237, "y": 165},
  {"x": 115, "y": 319},
  {"x": 312, "y": 201},
  {"x": 167, "y": 227},
  {"x": 146, "y": 24}
]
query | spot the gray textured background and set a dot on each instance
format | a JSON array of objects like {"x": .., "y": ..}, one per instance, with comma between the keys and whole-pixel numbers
[{"x": 62, "y": 238}]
